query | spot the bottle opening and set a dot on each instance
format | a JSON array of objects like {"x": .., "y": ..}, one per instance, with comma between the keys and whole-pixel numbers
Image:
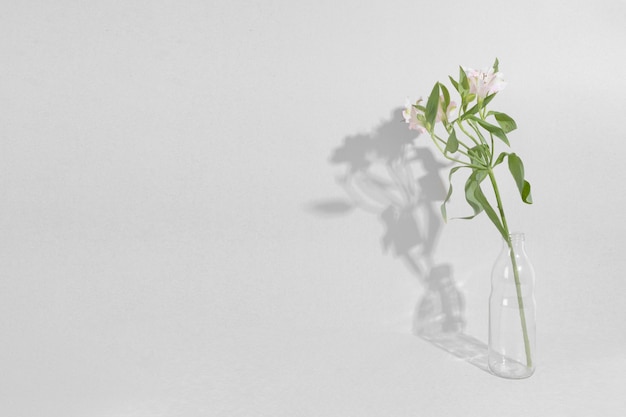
[{"x": 516, "y": 237}]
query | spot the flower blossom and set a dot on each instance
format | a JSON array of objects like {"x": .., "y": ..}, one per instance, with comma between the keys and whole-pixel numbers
[
  {"x": 410, "y": 116},
  {"x": 415, "y": 117},
  {"x": 440, "y": 114},
  {"x": 484, "y": 82}
]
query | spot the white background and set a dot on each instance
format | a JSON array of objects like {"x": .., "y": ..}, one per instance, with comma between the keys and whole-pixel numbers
[{"x": 162, "y": 169}]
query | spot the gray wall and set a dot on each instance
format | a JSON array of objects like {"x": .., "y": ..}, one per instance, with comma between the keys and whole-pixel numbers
[{"x": 176, "y": 239}]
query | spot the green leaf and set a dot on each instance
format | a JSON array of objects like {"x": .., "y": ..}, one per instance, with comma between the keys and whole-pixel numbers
[
  {"x": 500, "y": 159},
  {"x": 432, "y": 106},
  {"x": 477, "y": 200},
  {"x": 454, "y": 83},
  {"x": 504, "y": 120},
  {"x": 495, "y": 130},
  {"x": 446, "y": 96},
  {"x": 463, "y": 81},
  {"x": 444, "y": 213},
  {"x": 488, "y": 99},
  {"x": 453, "y": 143},
  {"x": 471, "y": 185},
  {"x": 480, "y": 105},
  {"x": 496, "y": 65},
  {"x": 473, "y": 110},
  {"x": 475, "y": 197},
  {"x": 479, "y": 155},
  {"x": 516, "y": 166},
  {"x": 491, "y": 213}
]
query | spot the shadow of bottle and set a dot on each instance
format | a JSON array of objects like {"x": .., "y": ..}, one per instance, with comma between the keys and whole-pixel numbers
[
  {"x": 387, "y": 175},
  {"x": 439, "y": 319}
]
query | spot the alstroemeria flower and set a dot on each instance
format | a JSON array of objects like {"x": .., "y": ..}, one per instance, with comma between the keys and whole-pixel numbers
[
  {"x": 440, "y": 114},
  {"x": 410, "y": 116},
  {"x": 484, "y": 82}
]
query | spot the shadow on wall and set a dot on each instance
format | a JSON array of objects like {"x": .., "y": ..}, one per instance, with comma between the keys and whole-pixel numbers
[{"x": 387, "y": 175}]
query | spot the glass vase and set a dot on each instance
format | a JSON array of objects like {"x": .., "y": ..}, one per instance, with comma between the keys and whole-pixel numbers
[{"x": 512, "y": 312}]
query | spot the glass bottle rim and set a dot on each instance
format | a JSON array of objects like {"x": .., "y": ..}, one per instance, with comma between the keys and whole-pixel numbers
[{"x": 516, "y": 237}]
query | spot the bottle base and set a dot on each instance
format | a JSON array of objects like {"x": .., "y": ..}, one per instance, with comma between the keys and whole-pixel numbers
[{"x": 510, "y": 369}]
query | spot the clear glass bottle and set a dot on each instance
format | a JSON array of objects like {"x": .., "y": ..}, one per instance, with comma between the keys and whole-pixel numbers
[{"x": 512, "y": 312}]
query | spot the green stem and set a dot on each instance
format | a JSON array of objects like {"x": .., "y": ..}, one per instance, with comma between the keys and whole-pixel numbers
[
  {"x": 445, "y": 155},
  {"x": 482, "y": 116},
  {"x": 445, "y": 143},
  {"x": 482, "y": 138},
  {"x": 518, "y": 287},
  {"x": 467, "y": 133}
]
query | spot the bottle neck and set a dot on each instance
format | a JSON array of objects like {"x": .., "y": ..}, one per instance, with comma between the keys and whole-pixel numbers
[{"x": 516, "y": 241}]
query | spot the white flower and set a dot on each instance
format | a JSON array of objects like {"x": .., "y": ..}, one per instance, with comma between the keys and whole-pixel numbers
[
  {"x": 484, "y": 82},
  {"x": 440, "y": 114},
  {"x": 410, "y": 116}
]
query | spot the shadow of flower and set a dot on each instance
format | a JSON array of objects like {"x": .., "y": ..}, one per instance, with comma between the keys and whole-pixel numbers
[{"x": 387, "y": 175}]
